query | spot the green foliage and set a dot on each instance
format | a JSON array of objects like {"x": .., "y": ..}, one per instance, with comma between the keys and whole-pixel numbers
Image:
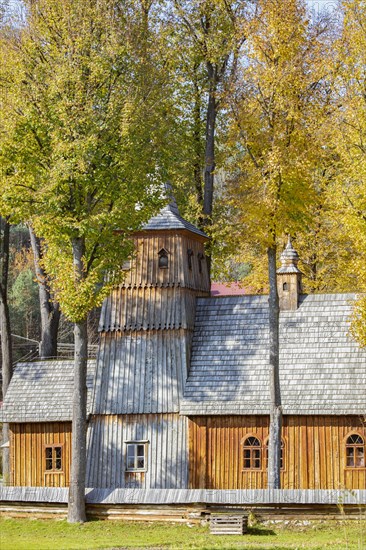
[
  {"x": 79, "y": 151},
  {"x": 24, "y": 306},
  {"x": 205, "y": 68}
]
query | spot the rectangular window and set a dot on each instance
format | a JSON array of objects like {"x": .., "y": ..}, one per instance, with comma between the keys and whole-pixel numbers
[
  {"x": 136, "y": 456},
  {"x": 53, "y": 458}
]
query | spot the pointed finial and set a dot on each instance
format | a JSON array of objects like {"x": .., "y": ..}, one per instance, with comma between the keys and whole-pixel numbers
[
  {"x": 289, "y": 259},
  {"x": 168, "y": 191},
  {"x": 289, "y": 256}
]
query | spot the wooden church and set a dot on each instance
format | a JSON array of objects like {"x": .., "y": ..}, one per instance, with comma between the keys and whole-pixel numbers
[{"x": 178, "y": 397}]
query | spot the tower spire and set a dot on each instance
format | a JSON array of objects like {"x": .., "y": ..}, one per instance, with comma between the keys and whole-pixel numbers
[{"x": 289, "y": 278}]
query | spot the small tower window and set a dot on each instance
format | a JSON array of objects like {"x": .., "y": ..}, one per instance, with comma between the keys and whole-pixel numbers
[
  {"x": 200, "y": 257},
  {"x": 285, "y": 286},
  {"x": 163, "y": 259},
  {"x": 252, "y": 454},
  {"x": 355, "y": 451},
  {"x": 189, "y": 255}
]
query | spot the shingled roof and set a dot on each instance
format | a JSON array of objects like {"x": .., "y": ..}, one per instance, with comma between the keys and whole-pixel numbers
[
  {"x": 169, "y": 218},
  {"x": 42, "y": 391},
  {"x": 323, "y": 371}
]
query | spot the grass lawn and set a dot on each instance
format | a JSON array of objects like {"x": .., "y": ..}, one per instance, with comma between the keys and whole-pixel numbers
[{"x": 26, "y": 534}]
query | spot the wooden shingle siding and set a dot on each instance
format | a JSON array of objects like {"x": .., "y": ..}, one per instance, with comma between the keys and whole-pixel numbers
[
  {"x": 28, "y": 443},
  {"x": 141, "y": 372},
  {"x": 167, "y": 461},
  {"x": 322, "y": 369},
  {"x": 242, "y": 497},
  {"x": 149, "y": 308},
  {"x": 169, "y": 218},
  {"x": 314, "y": 452},
  {"x": 42, "y": 391}
]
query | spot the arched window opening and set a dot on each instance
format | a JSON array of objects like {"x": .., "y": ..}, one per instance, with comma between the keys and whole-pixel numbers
[
  {"x": 281, "y": 455},
  {"x": 285, "y": 286},
  {"x": 201, "y": 257},
  {"x": 355, "y": 451},
  {"x": 163, "y": 259},
  {"x": 252, "y": 459},
  {"x": 190, "y": 253}
]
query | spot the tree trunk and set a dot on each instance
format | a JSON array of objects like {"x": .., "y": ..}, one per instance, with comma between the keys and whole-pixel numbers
[
  {"x": 274, "y": 443},
  {"x": 197, "y": 142},
  {"x": 50, "y": 310},
  {"x": 210, "y": 155},
  {"x": 76, "y": 508},
  {"x": 6, "y": 349}
]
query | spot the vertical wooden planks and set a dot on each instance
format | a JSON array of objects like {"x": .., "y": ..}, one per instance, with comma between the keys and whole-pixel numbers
[
  {"x": 27, "y": 453},
  {"x": 166, "y": 455},
  {"x": 314, "y": 452}
]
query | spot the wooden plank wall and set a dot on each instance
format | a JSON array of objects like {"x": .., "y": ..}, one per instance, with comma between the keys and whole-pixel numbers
[
  {"x": 166, "y": 436},
  {"x": 149, "y": 308},
  {"x": 145, "y": 270},
  {"x": 28, "y": 453},
  {"x": 141, "y": 372},
  {"x": 314, "y": 452}
]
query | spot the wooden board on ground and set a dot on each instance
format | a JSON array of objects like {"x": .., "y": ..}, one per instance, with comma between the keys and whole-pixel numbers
[{"x": 228, "y": 524}]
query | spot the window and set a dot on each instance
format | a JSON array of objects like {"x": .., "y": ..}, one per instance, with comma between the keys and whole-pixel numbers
[
  {"x": 266, "y": 454},
  {"x": 163, "y": 259},
  {"x": 252, "y": 459},
  {"x": 285, "y": 286},
  {"x": 136, "y": 456},
  {"x": 355, "y": 451},
  {"x": 190, "y": 253},
  {"x": 53, "y": 457},
  {"x": 200, "y": 257},
  {"x": 126, "y": 266}
]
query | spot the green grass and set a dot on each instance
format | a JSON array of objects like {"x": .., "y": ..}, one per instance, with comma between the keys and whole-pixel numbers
[{"x": 26, "y": 534}]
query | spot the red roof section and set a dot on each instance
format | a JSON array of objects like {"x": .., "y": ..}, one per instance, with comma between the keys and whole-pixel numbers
[{"x": 228, "y": 289}]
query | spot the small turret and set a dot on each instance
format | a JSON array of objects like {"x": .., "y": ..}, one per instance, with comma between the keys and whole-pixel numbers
[{"x": 289, "y": 279}]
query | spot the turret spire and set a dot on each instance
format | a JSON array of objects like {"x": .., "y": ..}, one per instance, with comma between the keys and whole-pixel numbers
[
  {"x": 289, "y": 278},
  {"x": 289, "y": 259}
]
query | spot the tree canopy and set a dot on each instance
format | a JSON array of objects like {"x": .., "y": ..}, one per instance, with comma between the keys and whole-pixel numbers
[{"x": 76, "y": 158}]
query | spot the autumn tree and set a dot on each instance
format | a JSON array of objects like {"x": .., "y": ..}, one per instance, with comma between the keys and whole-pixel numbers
[
  {"x": 212, "y": 34},
  {"x": 274, "y": 138},
  {"x": 77, "y": 163},
  {"x": 349, "y": 142}
]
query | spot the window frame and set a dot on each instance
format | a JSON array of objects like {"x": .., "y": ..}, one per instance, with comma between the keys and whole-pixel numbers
[
  {"x": 251, "y": 449},
  {"x": 354, "y": 446},
  {"x": 53, "y": 458},
  {"x": 135, "y": 444}
]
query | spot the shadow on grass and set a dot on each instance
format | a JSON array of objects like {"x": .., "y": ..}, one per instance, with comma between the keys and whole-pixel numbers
[{"x": 260, "y": 531}]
